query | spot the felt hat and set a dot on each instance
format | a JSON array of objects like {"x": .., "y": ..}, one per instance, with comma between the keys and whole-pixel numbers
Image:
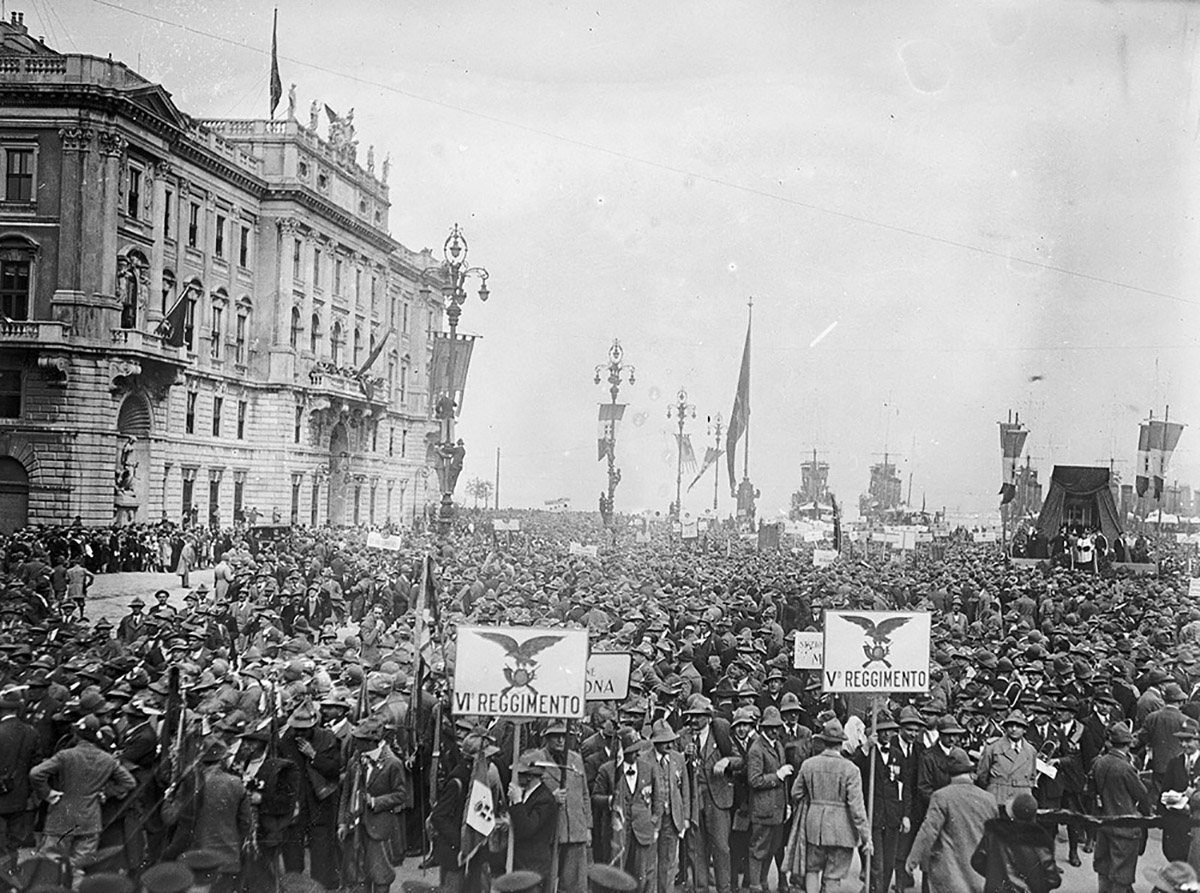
[
  {"x": 698, "y": 705},
  {"x": 885, "y": 723},
  {"x": 948, "y": 725},
  {"x": 910, "y": 716},
  {"x": 831, "y": 732},
  {"x": 771, "y": 719},
  {"x": 1016, "y": 718},
  {"x": 168, "y": 877},
  {"x": 1120, "y": 733},
  {"x": 1174, "y": 877},
  {"x": 304, "y": 717},
  {"x": 610, "y": 879},
  {"x": 105, "y": 882},
  {"x": 1190, "y": 730},
  {"x": 517, "y": 882},
  {"x": 1023, "y": 807},
  {"x": 370, "y": 729},
  {"x": 662, "y": 733},
  {"x": 742, "y": 716},
  {"x": 958, "y": 762},
  {"x": 789, "y": 701},
  {"x": 630, "y": 742}
]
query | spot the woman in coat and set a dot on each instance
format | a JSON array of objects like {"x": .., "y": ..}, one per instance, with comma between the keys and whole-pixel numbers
[{"x": 952, "y": 830}]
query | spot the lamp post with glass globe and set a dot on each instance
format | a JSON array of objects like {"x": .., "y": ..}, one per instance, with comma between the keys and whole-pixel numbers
[
  {"x": 681, "y": 411},
  {"x": 610, "y": 415}
]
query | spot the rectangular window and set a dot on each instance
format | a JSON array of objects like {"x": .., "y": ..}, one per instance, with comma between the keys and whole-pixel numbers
[
  {"x": 18, "y": 179},
  {"x": 239, "y": 344},
  {"x": 241, "y": 422},
  {"x": 371, "y": 508},
  {"x": 218, "y": 403},
  {"x": 295, "y": 514},
  {"x": 299, "y": 423},
  {"x": 358, "y": 504},
  {"x": 404, "y": 327},
  {"x": 403, "y": 383},
  {"x": 375, "y": 439},
  {"x": 316, "y": 268},
  {"x": 316, "y": 500},
  {"x": 296, "y": 252},
  {"x": 337, "y": 277},
  {"x": 133, "y": 195},
  {"x": 239, "y": 492},
  {"x": 214, "y": 502},
  {"x": 189, "y": 484},
  {"x": 219, "y": 243},
  {"x": 193, "y": 225},
  {"x": 374, "y": 296},
  {"x": 215, "y": 345},
  {"x": 392, "y": 312},
  {"x": 169, "y": 198},
  {"x": 403, "y": 443},
  {"x": 391, "y": 441},
  {"x": 189, "y": 422},
  {"x": 14, "y": 289},
  {"x": 244, "y": 248},
  {"x": 357, "y": 287},
  {"x": 10, "y": 393}
]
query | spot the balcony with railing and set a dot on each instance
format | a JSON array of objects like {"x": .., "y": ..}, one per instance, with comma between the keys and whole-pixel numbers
[
  {"x": 33, "y": 332},
  {"x": 348, "y": 384},
  {"x": 145, "y": 344}
]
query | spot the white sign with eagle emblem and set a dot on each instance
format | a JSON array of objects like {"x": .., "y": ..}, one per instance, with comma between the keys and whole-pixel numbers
[
  {"x": 876, "y": 651},
  {"x": 522, "y": 672}
]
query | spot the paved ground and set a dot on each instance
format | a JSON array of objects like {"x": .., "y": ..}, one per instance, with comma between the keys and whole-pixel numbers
[{"x": 110, "y": 595}]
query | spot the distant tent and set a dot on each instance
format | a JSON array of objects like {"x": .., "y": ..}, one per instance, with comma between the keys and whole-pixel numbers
[{"x": 1079, "y": 495}]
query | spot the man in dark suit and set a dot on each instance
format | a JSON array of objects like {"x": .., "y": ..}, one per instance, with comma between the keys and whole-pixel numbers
[
  {"x": 709, "y": 750},
  {"x": 908, "y": 751},
  {"x": 637, "y": 804},
  {"x": 316, "y": 752},
  {"x": 533, "y": 817},
  {"x": 20, "y": 751},
  {"x": 1121, "y": 793},
  {"x": 767, "y": 773},
  {"x": 677, "y": 803},
  {"x": 893, "y": 800},
  {"x": 368, "y": 824}
]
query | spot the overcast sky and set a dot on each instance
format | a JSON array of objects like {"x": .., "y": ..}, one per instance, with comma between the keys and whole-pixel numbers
[{"x": 975, "y": 193}]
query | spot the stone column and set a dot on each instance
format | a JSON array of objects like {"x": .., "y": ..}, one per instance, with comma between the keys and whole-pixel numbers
[
  {"x": 76, "y": 147},
  {"x": 154, "y": 309},
  {"x": 282, "y": 358}
]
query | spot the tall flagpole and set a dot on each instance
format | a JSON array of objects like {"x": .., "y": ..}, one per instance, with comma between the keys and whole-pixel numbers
[{"x": 746, "y": 445}]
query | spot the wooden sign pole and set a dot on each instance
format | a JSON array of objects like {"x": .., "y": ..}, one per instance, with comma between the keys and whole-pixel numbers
[{"x": 516, "y": 751}]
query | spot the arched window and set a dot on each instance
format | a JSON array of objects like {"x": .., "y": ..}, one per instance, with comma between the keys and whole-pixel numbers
[
  {"x": 241, "y": 331},
  {"x": 194, "y": 289},
  {"x": 335, "y": 344},
  {"x": 314, "y": 333},
  {"x": 297, "y": 328},
  {"x": 168, "y": 291}
]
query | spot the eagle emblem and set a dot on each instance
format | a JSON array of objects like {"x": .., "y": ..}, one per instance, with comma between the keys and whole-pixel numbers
[
  {"x": 523, "y": 668},
  {"x": 879, "y": 635}
]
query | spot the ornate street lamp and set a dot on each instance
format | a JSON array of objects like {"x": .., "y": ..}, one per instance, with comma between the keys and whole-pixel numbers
[
  {"x": 452, "y": 274},
  {"x": 715, "y": 430},
  {"x": 611, "y": 415},
  {"x": 682, "y": 410}
]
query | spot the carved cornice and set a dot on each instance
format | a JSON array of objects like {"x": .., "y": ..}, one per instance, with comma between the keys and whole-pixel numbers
[{"x": 76, "y": 139}]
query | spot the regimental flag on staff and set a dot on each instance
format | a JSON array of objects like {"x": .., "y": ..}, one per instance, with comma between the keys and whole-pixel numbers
[
  {"x": 1142, "y": 480},
  {"x": 837, "y": 524},
  {"x": 1012, "y": 444},
  {"x": 425, "y": 615},
  {"x": 479, "y": 818},
  {"x": 711, "y": 455},
  {"x": 1164, "y": 437},
  {"x": 739, "y": 418},
  {"x": 610, "y": 417},
  {"x": 687, "y": 457},
  {"x": 451, "y": 363}
]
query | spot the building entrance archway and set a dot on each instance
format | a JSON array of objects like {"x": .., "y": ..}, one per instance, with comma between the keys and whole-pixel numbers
[{"x": 14, "y": 495}]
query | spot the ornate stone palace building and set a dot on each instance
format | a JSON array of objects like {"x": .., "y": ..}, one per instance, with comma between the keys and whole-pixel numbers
[{"x": 269, "y": 243}]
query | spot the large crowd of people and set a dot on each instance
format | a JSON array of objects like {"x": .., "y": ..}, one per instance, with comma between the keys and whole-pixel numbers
[{"x": 280, "y": 723}]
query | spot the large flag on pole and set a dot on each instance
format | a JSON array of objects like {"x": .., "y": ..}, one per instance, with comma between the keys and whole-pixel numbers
[
  {"x": 425, "y": 612},
  {"x": 276, "y": 83},
  {"x": 1164, "y": 437},
  {"x": 610, "y": 417},
  {"x": 173, "y": 327},
  {"x": 479, "y": 818},
  {"x": 739, "y": 418},
  {"x": 1142, "y": 480},
  {"x": 711, "y": 455},
  {"x": 1012, "y": 443},
  {"x": 687, "y": 455}
]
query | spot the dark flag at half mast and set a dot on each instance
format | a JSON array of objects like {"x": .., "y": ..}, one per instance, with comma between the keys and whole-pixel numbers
[
  {"x": 739, "y": 418},
  {"x": 172, "y": 328}
]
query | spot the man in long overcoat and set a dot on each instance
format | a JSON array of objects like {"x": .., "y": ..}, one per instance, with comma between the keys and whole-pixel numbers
[
  {"x": 952, "y": 829},
  {"x": 1121, "y": 792},
  {"x": 833, "y": 821},
  {"x": 637, "y": 803},
  {"x": 1008, "y": 765}
]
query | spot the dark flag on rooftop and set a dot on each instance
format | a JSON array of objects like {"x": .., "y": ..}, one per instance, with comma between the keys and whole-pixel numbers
[{"x": 276, "y": 83}]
